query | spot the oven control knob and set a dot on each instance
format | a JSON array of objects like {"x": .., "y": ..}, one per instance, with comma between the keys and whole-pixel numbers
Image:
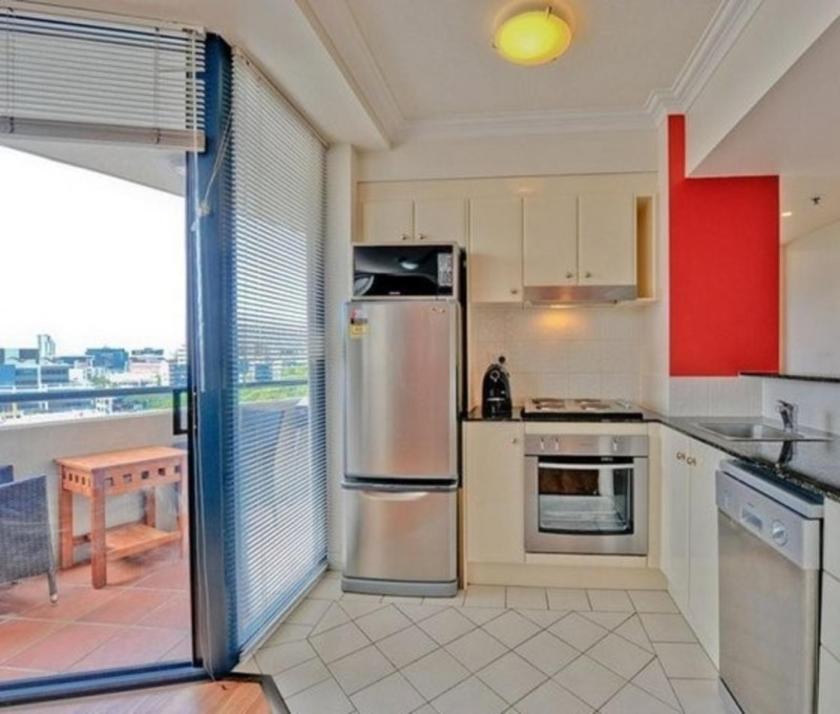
[
  {"x": 778, "y": 533},
  {"x": 542, "y": 444},
  {"x": 614, "y": 445},
  {"x": 557, "y": 444}
]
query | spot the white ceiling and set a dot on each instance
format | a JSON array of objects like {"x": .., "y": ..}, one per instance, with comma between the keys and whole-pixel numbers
[
  {"x": 797, "y": 194},
  {"x": 793, "y": 129},
  {"x": 425, "y": 65}
]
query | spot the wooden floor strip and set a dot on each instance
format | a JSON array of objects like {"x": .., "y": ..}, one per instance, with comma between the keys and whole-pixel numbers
[{"x": 222, "y": 697}]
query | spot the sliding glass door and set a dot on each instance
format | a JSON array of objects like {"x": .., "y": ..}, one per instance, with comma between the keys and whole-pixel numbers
[{"x": 96, "y": 114}]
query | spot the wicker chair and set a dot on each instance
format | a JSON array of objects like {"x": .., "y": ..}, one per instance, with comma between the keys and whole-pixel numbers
[{"x": 25, "y": 530}]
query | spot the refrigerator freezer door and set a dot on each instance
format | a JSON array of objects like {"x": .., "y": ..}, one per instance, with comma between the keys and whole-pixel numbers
[
  {"x": 400, "y": 540},
  {"x": 402, "y": 390}
]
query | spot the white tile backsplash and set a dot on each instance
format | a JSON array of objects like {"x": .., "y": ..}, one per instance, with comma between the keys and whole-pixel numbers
[
  {"x": 576, "y": 352},
  {"x": 818, "y": 402},
  {"x": 714, "y": 396}
]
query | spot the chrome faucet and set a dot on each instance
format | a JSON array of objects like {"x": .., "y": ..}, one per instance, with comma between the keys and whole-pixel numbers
[{"x": 788, "y": 414}]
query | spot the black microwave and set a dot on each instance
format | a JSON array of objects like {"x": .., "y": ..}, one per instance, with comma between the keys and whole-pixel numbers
[{"x": 430, "y": 270}]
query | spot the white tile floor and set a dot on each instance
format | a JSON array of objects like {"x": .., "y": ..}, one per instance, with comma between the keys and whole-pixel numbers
[{"x": 489, "y": 650}]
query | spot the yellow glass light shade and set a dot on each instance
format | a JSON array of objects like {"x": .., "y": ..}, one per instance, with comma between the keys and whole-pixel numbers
[{"x": 532, "y": 38}]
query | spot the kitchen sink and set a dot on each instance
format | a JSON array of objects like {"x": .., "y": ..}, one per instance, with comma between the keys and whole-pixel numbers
[{"x": 755, "y": 431}]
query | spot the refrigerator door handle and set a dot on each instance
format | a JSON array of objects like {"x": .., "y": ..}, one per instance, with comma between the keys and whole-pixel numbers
[{"x": 398, "y": 487}]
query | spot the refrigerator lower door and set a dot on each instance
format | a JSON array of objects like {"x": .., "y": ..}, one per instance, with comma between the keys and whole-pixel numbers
[
  {"x": 400, "y": 539},
  {"x": 402, "y": 390}
]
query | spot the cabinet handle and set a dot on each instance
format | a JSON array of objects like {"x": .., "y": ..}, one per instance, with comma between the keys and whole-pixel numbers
[
  {"x": 691, "y": 461},
  {"x": 406, "y": 236},
  {"x": 514, "y": 440},
  {"x": 514, "y": 291},
  {"x": 421, "y": 236},
  {"x": 587, "y": 274},
  {"x": 680, "y": 456},
  {"x": 570, "y": 274}
]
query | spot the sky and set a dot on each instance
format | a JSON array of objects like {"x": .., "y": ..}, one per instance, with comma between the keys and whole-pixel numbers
[{"x": 89, "y": 259}]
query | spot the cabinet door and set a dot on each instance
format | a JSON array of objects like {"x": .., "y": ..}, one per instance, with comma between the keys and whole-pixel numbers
[
  {"x": 387, "y": 221},
  {"x": 550, "y": 240},
  {"x": 442, "y": 220},
  {"x": 829, "y": 694},
  {"x": 607, "y": 239},
  {"x": 494, "y": 479},
  {"x": 675, "y": 511},
  {"x": 495, "y": 263},
  {"x": 703, "y": 547}
]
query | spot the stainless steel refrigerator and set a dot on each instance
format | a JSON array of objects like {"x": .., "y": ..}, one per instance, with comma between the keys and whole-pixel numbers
[{"x": 401, "y": 449}]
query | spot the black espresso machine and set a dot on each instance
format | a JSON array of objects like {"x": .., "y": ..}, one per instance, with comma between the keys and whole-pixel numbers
[{"x": 495, "y": 392}]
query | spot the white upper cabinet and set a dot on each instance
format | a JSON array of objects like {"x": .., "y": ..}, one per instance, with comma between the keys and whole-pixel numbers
[
  {"x": 387, "y": 221},
  {"x": 525, "y": 234},
  {"x": 550, "y": 249},
  {"x": 607, "y": 239},
  {"x": 441, "y": 220},
  {"x": 495, "y": 263}
]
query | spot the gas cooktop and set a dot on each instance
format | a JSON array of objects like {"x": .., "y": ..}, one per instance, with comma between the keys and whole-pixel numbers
[{"x": 552, "y": 408}]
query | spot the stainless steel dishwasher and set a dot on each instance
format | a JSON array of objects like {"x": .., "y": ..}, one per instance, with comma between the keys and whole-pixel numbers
[{"x": 769, "y": 547}]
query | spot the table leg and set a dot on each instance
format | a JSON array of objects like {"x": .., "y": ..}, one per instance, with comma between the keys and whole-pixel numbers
[
  {"x": 150, "y": 506},
  {"x": 98, "y": 556},
  {"x": 65, "y": 525},
  {"x": 181, "y": 491}
]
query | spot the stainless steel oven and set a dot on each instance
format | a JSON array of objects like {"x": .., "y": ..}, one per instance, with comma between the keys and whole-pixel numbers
[{"x": 586, "y": 494}]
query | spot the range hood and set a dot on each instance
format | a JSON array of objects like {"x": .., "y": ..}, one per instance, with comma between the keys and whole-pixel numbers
[{"x": 578, "y": 294}]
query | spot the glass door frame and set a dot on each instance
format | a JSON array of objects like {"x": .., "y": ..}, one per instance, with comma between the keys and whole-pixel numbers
[{"x": 213, "y": 652}]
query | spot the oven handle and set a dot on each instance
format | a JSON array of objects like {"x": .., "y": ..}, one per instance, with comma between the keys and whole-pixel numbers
[{"x": 582, "y": 467}]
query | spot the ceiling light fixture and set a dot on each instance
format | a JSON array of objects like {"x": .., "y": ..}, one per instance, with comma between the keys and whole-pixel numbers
[{"x": 533, "y": 38}]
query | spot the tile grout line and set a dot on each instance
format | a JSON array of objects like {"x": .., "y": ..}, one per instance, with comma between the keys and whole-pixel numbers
[{"x": 653, "y": 657}]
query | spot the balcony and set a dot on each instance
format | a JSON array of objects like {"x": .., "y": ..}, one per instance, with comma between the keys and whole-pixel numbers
[{"x": 142, "y": 615}]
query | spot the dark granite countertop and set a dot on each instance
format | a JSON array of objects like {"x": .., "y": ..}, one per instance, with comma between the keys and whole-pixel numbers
[
  {"x": 814, "y": 465},
  {"x": 825, "y": 378},
  {"x": 474, "y": 414}
]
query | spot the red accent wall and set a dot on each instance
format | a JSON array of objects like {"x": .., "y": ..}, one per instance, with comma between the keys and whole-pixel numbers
[{"x": 724, "y": 269}]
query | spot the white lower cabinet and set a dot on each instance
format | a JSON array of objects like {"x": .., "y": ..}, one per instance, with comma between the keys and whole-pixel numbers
[
  {"x": 703, "y": 547},
  {"x": 829, "y": 687},
  {"x": 689, "y": 533},
  {"x": 494, "y": 482},
  {"x": 675, "y": 515},
  {"x": 829, "y": 662}
]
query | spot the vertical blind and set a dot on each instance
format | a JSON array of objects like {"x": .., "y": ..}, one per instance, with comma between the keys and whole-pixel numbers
[
  {"x": 85, "y": 78},
  {"x": 276, "y": 479}
]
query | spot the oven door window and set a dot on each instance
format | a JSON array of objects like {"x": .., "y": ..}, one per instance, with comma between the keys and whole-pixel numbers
[{"x": 593, "y": 497}]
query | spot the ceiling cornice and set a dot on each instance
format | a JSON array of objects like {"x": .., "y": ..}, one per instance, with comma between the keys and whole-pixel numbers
[
  {"x": 518, "y": 123},
  {"x": 726, "y": 25},
  {"x": 338, "y": 26}
]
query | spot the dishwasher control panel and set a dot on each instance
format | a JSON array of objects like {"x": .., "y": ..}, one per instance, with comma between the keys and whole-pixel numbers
[{"x": 782, "y": 527}]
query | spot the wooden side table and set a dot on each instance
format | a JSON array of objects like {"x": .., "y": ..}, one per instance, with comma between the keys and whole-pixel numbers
[{"x": 97, "y": 476}]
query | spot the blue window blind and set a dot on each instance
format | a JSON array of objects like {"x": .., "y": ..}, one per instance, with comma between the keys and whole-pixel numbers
[{"x": 275, "y": 490}]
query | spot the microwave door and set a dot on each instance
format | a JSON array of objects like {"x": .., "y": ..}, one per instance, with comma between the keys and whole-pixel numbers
[{"x": 402, "y": 386}]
